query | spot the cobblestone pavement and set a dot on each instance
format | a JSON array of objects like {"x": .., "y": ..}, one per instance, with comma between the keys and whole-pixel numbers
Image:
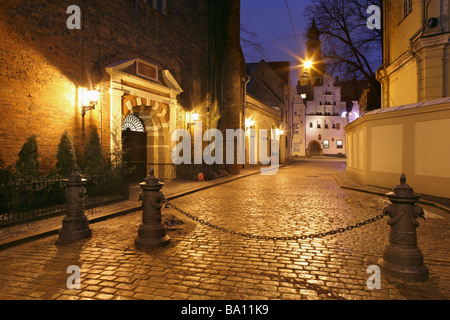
[{"x": 204, "y": 263}]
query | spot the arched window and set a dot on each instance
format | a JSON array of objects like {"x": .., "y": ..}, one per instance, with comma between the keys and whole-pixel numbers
[{"x": 133, "y": 123}]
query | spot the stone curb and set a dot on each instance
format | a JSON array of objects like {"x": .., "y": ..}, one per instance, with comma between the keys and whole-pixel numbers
[
  {"x": 53, "y": 231},
  {"x": 365, "y": 190}
]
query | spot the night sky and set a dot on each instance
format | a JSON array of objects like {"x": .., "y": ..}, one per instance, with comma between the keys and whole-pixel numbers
[{"x": 270, "y": 21}]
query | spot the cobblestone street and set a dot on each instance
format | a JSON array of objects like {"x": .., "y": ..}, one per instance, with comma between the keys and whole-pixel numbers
[{"x": 204, "y": 263}]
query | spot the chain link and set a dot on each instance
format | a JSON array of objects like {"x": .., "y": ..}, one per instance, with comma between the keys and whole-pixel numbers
[{"x": 290, "y": 238}]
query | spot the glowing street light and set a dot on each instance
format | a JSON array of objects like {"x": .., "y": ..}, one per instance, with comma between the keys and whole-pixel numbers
[
  {"x": 249, "y": 123},
  {"x": 194, "y": 116},
  {"x": 308, "y": 64}
]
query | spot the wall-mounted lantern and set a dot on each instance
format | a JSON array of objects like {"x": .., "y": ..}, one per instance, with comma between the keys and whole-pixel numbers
[
  {"x": 89, "y": 99},
  {"x": 279, "y": 132},
  {"x": 249, "y": 123},
  {"x": 192, "y": 118}
]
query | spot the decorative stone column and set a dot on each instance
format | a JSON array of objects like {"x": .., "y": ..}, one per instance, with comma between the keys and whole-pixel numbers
[
  {"x": 402, "y": 258},
  {"x": 75, "y": 225},
  {"x": 151, "y": 232}
]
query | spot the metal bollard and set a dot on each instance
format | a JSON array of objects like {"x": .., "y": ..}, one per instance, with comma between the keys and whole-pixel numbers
[
  {"x": 402, "y": 258},
  {"x": 151, "y": 231},
  {"x": 75, "y": 225}
]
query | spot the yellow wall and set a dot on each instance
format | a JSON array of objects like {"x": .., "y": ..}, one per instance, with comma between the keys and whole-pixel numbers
[
  {"x": 404, "y": 80},
  {"x": 265, "y": 118},
  {"x": 416, "y": 57},
  {"x": 400, "y": 29},
  {"x": 386, "y": 143},
  {"x": 432, "y": 148},
  {"x": 413, "y": 139}
]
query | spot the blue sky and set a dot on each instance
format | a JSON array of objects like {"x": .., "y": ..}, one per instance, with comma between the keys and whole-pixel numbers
[{"x": 269, "y": 20}]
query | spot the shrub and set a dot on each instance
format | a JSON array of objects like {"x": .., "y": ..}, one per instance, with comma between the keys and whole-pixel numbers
[
  {"x": 93, "y": 158},
  {"x": 66, "y": 159},
  {"x": 27, "y": 166}
]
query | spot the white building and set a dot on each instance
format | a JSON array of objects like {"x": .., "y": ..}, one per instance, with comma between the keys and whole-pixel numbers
[
  {"x": 325, "y": 120},
  {"x": 298, "y": 126}
]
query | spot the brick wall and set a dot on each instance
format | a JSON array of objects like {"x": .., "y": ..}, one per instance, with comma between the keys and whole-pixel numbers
[{"x": 43, "y": 64}]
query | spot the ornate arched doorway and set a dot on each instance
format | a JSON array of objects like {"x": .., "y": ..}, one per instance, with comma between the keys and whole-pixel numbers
[
  {"x": 314, "y": 149},
  {"x": 148, "y": 91},
  {"x": 134, "y": 144},
  {"x": 154, "y": 117}
]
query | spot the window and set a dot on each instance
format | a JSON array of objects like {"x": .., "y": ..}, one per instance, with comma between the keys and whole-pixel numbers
[
  {"x": 311, "y": 125},
  {"x": 339, "y": 144},
  {"x": 133, "y": 123},
  {"x": 326, "y": 144},
  {"x": 407, "y": 8},
  {"x": 158, "y": 5}
]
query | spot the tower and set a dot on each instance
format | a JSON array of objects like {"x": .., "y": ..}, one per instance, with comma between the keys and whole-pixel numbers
[{"x": 313, "y": 75}]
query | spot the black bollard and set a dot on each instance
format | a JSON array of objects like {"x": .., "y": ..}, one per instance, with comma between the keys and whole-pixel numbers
[
  {"x": 402, "y": 258},
  {"x": 75, "y": 225},
  {"x": 151, "y": 231}
]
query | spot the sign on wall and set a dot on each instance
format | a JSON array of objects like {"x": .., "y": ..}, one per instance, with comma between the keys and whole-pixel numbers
[{"x": 146, "y": 70}]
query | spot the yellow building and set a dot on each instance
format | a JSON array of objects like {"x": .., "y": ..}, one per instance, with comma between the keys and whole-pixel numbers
[
  {"x": 415, "y": 51},
  {"x": 260, "y": 116},
  {"x": 411, "y": 132}
]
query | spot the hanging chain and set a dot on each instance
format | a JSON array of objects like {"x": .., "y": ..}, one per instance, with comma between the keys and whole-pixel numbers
[{"x": 291, "y": 238}]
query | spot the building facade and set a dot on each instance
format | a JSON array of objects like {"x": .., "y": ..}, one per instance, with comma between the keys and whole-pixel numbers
[
  {"x": 269, "y": 83},
  {"x": 409, "y": 134},
  {"x": 415, "y": 51},
  {"x": 150, "y": 64},
  {"x": 298, "y": 126},
  {"x": 260, "y": 116},
  {"x": 325, "y": 120}
]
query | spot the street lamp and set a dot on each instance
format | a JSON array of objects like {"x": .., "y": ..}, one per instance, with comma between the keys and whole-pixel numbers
[{"x": 308, "y": 64}]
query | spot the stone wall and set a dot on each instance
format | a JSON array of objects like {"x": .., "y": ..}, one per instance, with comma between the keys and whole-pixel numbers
[
  {"x": 410, "y": 139},
  {"x": 43, "y": 64}
]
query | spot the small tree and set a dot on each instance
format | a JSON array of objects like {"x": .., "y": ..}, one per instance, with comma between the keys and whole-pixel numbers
[
  {"x": 93, "y": 158},
  {"x": 65, "y": 156},
  {"x": 27, "y": 167}
]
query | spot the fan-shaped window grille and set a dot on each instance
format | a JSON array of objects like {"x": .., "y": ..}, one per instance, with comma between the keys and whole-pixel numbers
[{"x": 133, "y": 123}]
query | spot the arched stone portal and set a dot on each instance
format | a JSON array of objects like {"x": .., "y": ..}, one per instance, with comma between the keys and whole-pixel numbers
[
  {"x": 153, "y": 99},
  {"x": 134, "y": 143},
  {"x": 314, "y": 149},
  {"x": 155, "y": 119}
]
